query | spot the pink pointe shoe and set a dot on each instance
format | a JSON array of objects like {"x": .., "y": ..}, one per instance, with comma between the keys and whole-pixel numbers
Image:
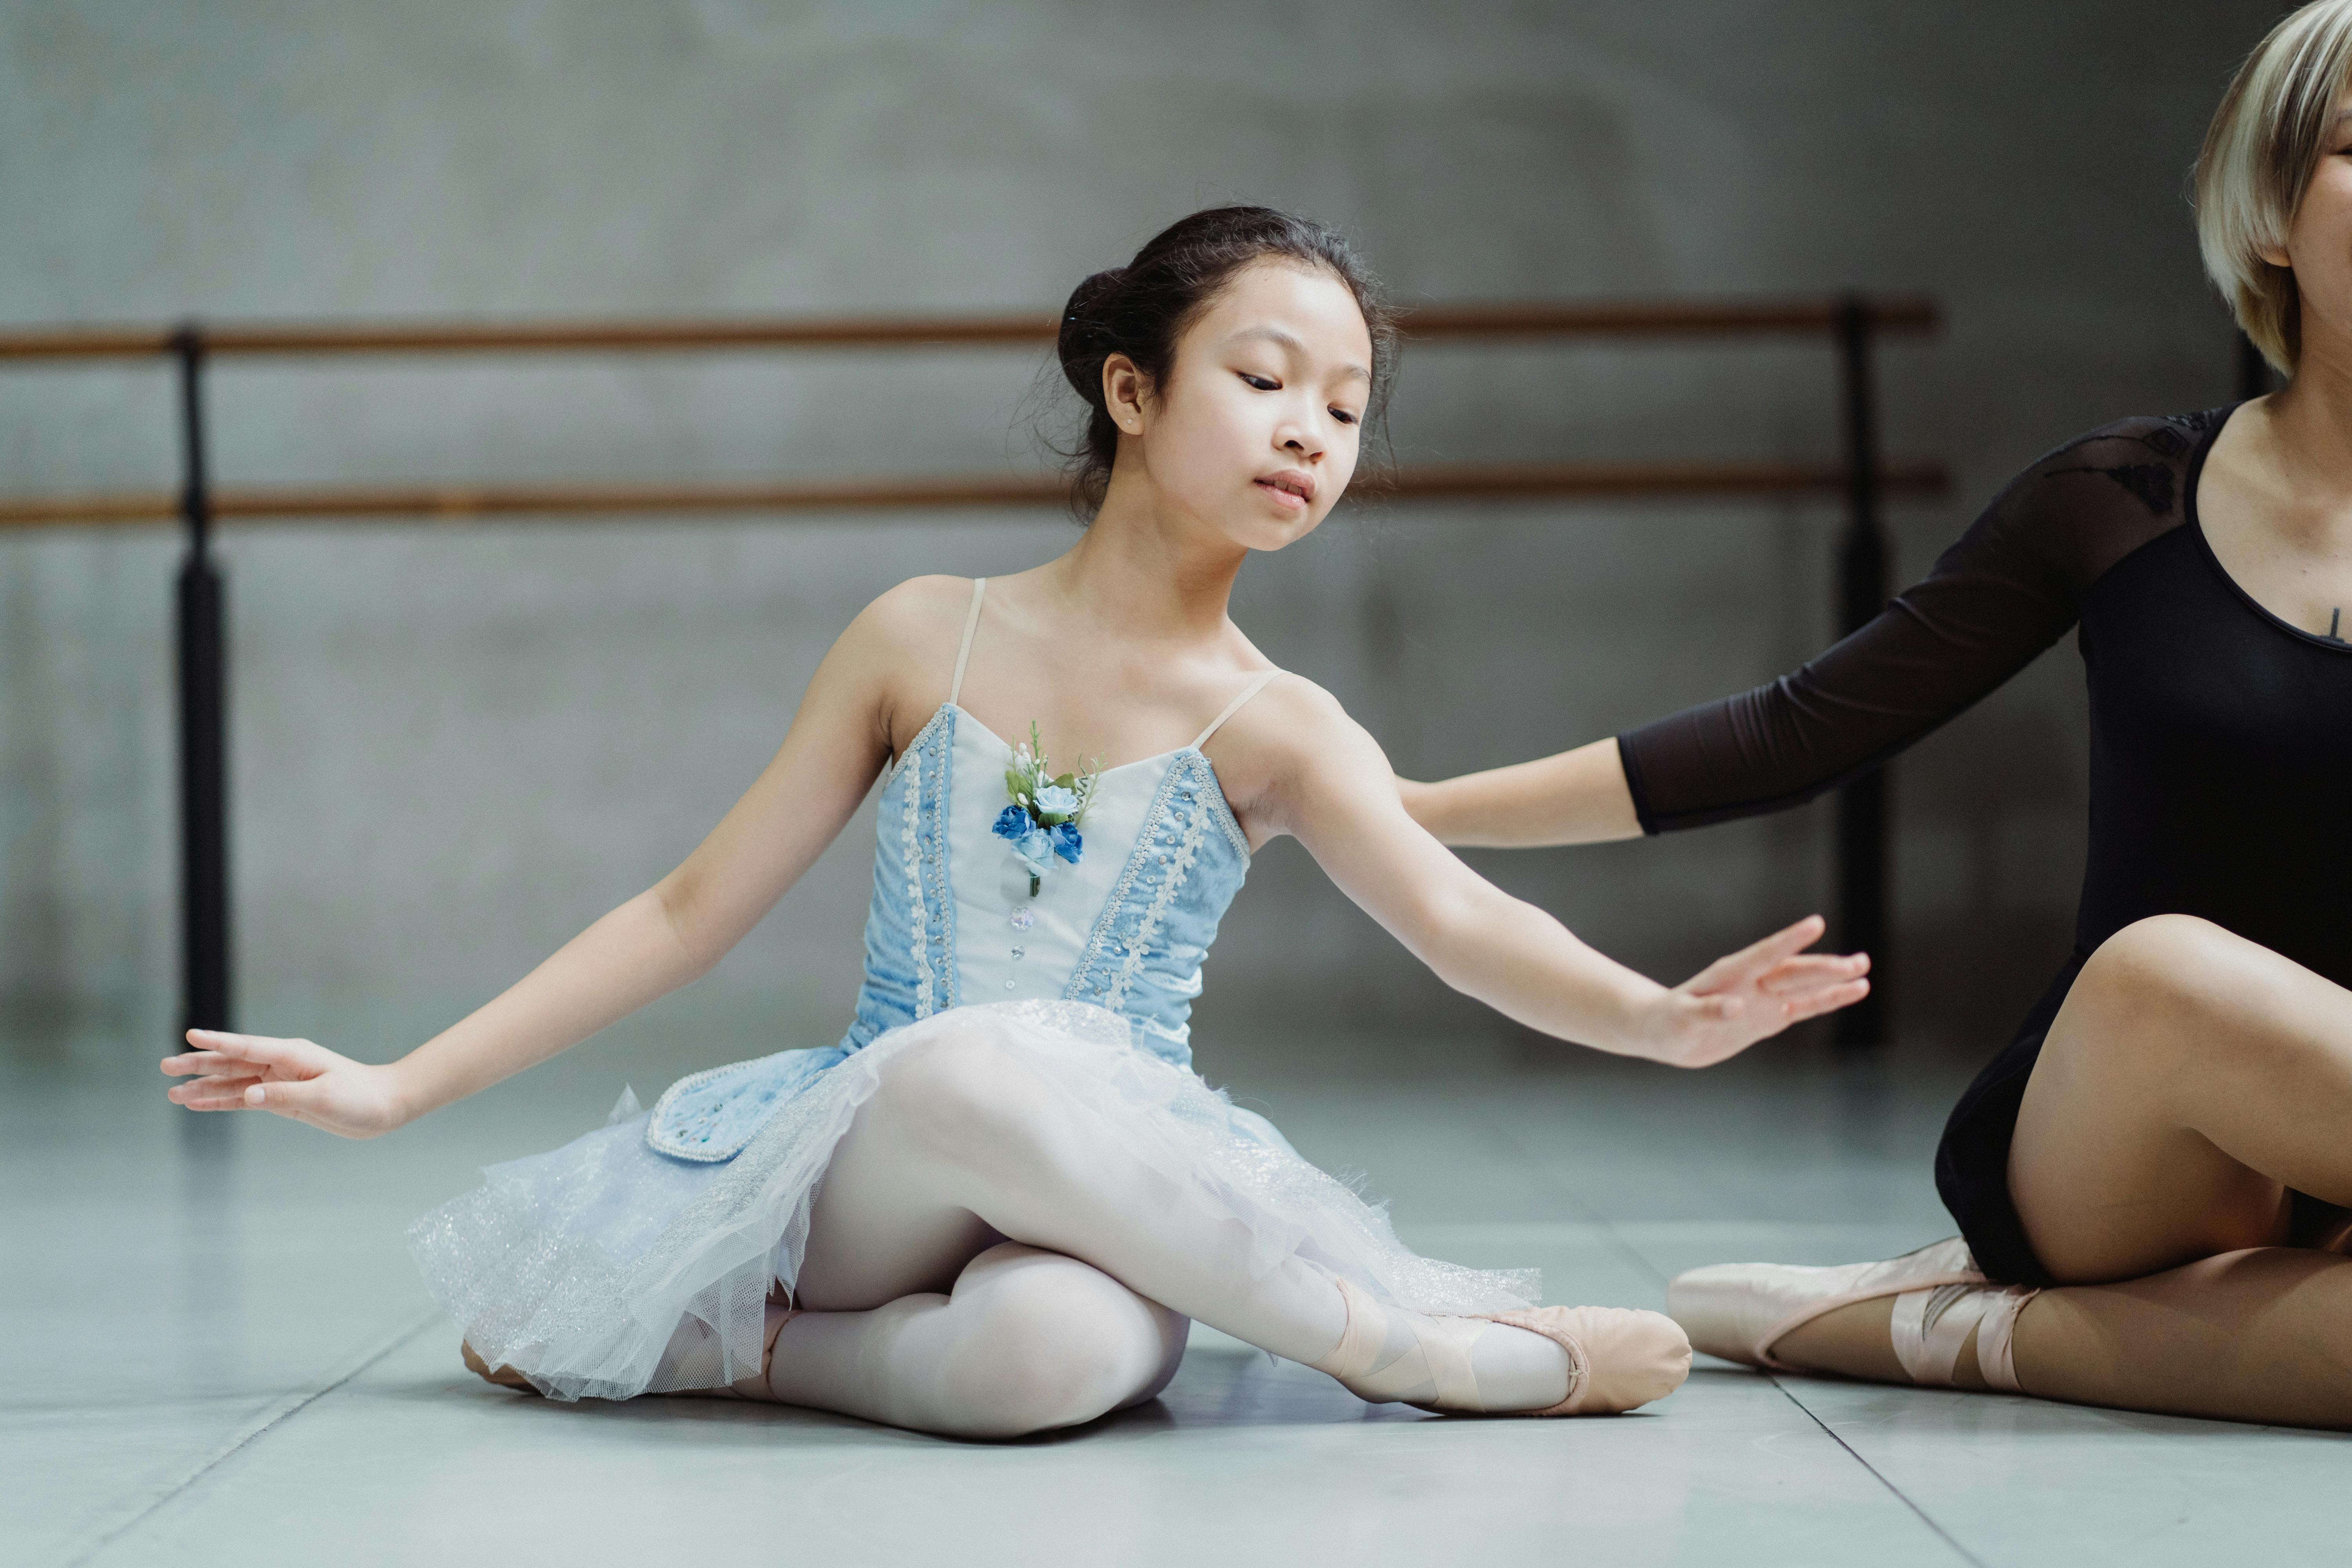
[
  {"x": 1617, "y": 1359},
  {"x": 1740, "y": 1310}
]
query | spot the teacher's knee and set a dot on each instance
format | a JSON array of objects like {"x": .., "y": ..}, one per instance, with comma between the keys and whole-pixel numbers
[
  {"x": 2178, "y": 983},
  {"x": 2158, "y": 977}
]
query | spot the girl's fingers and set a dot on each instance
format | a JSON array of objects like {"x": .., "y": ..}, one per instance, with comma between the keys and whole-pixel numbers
[
  {"x": 210, "y": 1088},
  {"x": 1755, "y": 958},
  {"x": 261, "y": 1048},
  {"x": 188, "y": 1062},
  {"x": 294, "y": 1097},
  {"x": 197, "y": 1098},
  {"x": 302, "y": 1101},
  {"x": 1828, "y": 1001},
  {"x": 1810, "y": 972},
  {"x": 1783, "y": 943}
]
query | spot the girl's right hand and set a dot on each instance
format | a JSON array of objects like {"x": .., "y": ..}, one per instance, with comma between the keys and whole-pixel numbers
[{"x": 294, "y": 1078}]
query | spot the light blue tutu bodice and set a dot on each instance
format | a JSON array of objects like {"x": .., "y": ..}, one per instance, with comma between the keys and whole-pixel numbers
[{"x": 952, "y": 920}]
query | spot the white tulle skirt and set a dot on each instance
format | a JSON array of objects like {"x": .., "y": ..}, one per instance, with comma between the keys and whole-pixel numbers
[{"x": 604, "y": 1270}]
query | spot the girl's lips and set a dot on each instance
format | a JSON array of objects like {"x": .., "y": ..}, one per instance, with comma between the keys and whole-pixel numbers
[{"x": 1290, "y": 499}]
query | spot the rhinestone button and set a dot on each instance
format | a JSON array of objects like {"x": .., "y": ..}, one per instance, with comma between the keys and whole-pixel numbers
[
  {"x": 1008, "y": 986},
  {"x": 1019, "y": 953},
  {"x": 1022, "y": 918}
]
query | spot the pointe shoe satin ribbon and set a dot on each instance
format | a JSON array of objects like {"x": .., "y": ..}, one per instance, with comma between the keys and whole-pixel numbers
[
  {"x": 1617, "y": 1358},
  {"x": 1931, "y": 1328}
]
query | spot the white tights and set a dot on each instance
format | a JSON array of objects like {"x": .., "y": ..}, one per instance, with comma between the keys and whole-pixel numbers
[{"x": 985, "y": 1259}]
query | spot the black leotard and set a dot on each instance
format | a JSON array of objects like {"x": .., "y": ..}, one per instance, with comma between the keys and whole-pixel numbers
[{"x": 2220, "y": 739}]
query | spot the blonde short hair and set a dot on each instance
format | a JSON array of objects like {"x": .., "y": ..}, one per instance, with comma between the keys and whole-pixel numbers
[{"x": 2260, "y": 153}]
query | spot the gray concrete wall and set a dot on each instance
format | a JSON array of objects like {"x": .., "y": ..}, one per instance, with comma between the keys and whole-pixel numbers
[{"x": 452, "y": 747}]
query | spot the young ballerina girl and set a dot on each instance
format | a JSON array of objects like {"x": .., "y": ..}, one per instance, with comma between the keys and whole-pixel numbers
[
  {"x": 990, "y": 1208},
  {"x": 2149, "y": 1178}
]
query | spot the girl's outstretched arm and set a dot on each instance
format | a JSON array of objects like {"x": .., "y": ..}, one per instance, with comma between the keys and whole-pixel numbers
[
  {"x": 649, "y": 946},
  {"x": 1571, "y": 797},
  {"x": 1328, "y": 783}
]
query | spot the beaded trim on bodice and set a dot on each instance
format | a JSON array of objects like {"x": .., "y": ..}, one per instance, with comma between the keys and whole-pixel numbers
[
  {"x": 1156, "y": 869},
  {"x": 922, "y": 838}
]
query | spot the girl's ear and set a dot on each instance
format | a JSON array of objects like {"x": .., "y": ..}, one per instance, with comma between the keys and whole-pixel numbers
[{"x": 1123, "y": 392}]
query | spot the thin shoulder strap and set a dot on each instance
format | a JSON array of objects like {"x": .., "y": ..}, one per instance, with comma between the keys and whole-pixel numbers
[
  {"x": 963, "y": 653},
  {"x": 1252, "y": 690}
]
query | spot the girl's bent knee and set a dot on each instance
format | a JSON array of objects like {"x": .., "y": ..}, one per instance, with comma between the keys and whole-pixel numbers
[{"x": 1055, "y": 1343}]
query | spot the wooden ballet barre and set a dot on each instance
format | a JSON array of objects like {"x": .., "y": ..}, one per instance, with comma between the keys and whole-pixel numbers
[
  {"x": 1621, "y": 318},
  {"x": 1848, "y": 323},
  {"x": 325, "y": 503}
]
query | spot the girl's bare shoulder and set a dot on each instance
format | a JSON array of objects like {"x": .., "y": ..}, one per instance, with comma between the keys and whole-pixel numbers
[
  {"x": 916, "y": 623},
  {"x": 901, "y": 648},
  {"x": 1291, "y": 735}
]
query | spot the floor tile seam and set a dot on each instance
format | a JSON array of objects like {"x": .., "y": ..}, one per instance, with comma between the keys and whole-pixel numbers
[
  {"x": 1593, "y": 1216},
  {"x": 275, "y": 1415},
  {"x": 1877, "y": 1475}
]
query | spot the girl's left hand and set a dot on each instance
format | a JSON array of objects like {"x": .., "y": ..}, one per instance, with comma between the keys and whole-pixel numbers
[
  {"x": 294, "y": 1078},
  {"x": 1751, "y": 996}
]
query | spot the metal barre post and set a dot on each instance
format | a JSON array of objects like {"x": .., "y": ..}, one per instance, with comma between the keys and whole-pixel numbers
[
  {"x": 1864, "y": 820},
  {"x": 203, "y": 739}
]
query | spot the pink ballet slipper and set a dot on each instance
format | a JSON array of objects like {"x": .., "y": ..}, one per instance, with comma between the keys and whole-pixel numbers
[
  {"x": 752, "y": 1385},
  {"x": 1617, "y": 1358},
  {"x": 504, "y": 1376},
  {"x": 1740, "y": 1310},
  {"x": 1622, "y": 1357}
]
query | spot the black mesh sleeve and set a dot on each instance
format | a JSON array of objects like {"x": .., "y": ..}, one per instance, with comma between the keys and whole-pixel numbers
[{"x": 2007, "y": 589}]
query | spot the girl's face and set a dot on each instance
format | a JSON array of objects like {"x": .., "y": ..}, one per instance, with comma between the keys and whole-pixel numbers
[{"x": 1254, "y": 434}]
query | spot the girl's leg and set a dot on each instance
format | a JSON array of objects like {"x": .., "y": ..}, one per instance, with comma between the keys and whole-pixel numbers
[
  {"x": 963, "y": 1145},
  {"x": 2190, "y": 1079},
  {"x": 1025, "y": 1342}
]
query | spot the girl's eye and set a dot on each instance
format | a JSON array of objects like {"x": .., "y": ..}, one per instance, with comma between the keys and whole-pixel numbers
[
  {"x": 1262, "y": 382},
  {"x": 1343, "y": 416}
]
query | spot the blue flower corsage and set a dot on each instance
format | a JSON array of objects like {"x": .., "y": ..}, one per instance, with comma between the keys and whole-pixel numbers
[{"x": 1043, "y": 820}]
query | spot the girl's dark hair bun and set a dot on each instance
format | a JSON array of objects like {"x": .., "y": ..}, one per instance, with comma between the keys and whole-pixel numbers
[
  {"x": 1080, "y": 331},
  {"x": 1141, "y": 311}
]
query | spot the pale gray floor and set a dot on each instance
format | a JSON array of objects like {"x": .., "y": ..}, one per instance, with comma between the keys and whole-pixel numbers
[{"x": 225, "y": 1357}]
